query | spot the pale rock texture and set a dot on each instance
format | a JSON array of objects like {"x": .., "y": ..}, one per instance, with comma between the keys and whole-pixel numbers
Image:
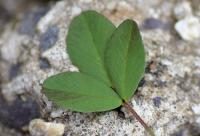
[
  {"x": 167, "y": 98},
  {"x": 188, "y": 28},
  {"x": 182, "y": 10}
]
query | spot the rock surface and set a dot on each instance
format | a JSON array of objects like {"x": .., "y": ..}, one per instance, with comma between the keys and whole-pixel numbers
[
  {"x": 168, "y": 97},
  {"x": 188, "y": 28}
]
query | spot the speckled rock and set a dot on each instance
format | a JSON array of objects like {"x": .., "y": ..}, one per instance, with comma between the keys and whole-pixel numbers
[
  {"x": 188, "y": 28},
  {"x": 166, "y": 97},
  {"x": 182, "y": 10}
]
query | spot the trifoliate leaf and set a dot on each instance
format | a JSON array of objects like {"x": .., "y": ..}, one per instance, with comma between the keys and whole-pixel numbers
[
  {"x": 86, "y": 43},
  {"x": 80, "y": 92},
  {"x": 125, "y": 59}
]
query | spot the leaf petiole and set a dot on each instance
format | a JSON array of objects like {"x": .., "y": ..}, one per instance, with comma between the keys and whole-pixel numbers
[{"x": 134, "y": 113}]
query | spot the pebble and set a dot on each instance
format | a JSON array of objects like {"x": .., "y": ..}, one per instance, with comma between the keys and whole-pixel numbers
[
  {"x": 38, "y": 127},
  {"x": 188, "y": 28},
  {"x": 49, "y": 38},
  {"x": 153, "y": 23},
  {"x": 196, "y": 109}
]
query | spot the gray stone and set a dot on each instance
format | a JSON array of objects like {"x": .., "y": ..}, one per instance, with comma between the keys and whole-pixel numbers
[
  {"x": 30, "y": 20},
  {"x": 18, "y": 113},
  {"x": 153, "y": 23},
  {"x": 49, "y": 38}
]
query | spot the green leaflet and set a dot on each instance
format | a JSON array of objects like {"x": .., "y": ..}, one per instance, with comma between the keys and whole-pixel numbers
[
  {"x": 80, "y": 92},
  {"x": 125, "y": 59},
  {"x": 86, "y": 43}
]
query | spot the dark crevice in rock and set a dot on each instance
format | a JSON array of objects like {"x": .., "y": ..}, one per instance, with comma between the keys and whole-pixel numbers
[
  {"x": 14, "y": 70},
  {"x": 120, "y": 113},
  {"x": 18, "y": 113},
  {"x": 44, "y": 63}
]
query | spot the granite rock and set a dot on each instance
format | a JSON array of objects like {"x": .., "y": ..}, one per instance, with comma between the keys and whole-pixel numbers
[
  {"x": 167, "y": 97},
  {"x": 188, "y": 28}
]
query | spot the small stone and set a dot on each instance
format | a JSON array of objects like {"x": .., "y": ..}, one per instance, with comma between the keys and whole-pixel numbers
[
  {"x": 49, "y": 38},
  {"x": 182, "y": 10},
  {"x": 196, "y": 109},
  {"x": 188, "y": 28},
  {"x": 153, "y": 23},
  {"x": 38, "y": 127}
]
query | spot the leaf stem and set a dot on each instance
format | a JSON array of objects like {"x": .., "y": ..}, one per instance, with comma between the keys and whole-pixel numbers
[{"x": 134, "y": 113}]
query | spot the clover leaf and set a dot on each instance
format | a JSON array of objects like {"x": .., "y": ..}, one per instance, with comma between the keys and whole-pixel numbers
[{"x": 111, "y": 62}]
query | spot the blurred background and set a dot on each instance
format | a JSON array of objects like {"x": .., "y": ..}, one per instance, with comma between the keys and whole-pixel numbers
[{"x": 33, "y": 47}]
